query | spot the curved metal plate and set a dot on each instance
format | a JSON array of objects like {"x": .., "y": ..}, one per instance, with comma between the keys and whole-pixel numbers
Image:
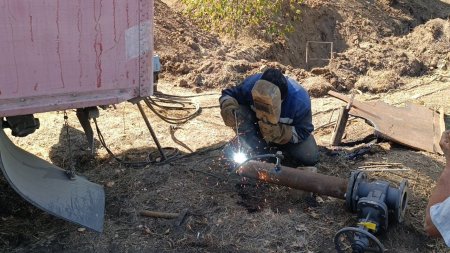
[{"x": 47, "y": 187}]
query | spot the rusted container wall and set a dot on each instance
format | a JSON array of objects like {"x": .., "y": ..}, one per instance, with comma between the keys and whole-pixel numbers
[{"x": 61, "y": 54}]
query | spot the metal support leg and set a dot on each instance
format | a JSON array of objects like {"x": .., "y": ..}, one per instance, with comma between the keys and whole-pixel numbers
[
  {"x": 84, "y": 115},
  {"x": 147, "y": 122}
]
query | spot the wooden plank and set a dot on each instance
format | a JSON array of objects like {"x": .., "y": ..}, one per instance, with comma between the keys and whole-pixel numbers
[
  {"x": 412, "y": 125},
  {"x": 339, "y": 129}
]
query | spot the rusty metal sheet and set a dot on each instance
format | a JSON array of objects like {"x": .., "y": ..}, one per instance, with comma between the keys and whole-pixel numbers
[
  {"x": 68, "y": 54},
  {"x": 47, "y": 187},
  {"x": 413, "y": 125}
]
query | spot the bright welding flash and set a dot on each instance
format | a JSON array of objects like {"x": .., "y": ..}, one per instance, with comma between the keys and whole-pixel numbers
[{"x": 239, "y": 157}]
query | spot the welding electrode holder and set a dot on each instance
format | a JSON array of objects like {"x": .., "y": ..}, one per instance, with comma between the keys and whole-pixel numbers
[{"x": 278, "y": 156}]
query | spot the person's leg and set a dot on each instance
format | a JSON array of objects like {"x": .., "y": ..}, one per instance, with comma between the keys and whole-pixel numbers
[{"x": 305, "y": 152}]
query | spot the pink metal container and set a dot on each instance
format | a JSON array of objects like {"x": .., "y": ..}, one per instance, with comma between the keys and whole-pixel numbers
[{"x": 57, "y": 54}]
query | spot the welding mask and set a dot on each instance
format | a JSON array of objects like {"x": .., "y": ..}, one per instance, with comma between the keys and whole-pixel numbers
[{"x": 267, "y": 101}]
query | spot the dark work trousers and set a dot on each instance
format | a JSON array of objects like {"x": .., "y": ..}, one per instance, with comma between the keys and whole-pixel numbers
[{"x": 252, "y": 142}]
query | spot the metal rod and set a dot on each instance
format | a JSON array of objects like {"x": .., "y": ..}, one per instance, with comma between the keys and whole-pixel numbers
[
  {"x": 295, "y": 178},
  {"x": 147, "y": 122},
  {"x": 156, "y": 214}
]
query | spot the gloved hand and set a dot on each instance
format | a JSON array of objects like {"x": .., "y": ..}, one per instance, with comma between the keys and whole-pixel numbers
[
  {"x": 227, "y": 110},
  {"x": 276, "y": 133}
]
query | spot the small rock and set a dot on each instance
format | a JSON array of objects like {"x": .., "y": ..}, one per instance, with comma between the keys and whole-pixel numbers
[
  {"x": 198, "y": 90},
  {"x": 442, "y": 64},
  {"x": 365, "y": 45},
  {"x": 183, "y": 68},
  {"x": 301, "y": 228},
  {"x": 320, "y": 71},
  {"x": 198, "y": 80},
  {"x": 221, "y": 52},
  {"x": 319, "y": 199},
  {"x": 314, "y": 215},
  {"x": 195, "y": 46},
  {"x": 184, "y": 84},
  {"x": 110, "y": 184},
  {"x": 263, "y": 68},
  {"x": 81, "y": 230}
]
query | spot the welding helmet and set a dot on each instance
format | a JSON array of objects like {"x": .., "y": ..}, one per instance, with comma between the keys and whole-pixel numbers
[
  {"x": 268, "y": 94},
  {"x": 276, "y": 77},
  {"x": 267, "y": 101}
]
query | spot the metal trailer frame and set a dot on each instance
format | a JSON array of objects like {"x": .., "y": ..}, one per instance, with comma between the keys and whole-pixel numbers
[{"x": 59, "y": 55}]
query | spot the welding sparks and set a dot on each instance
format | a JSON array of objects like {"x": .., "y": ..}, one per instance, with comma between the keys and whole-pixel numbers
[{"x": 239, "y": 157}]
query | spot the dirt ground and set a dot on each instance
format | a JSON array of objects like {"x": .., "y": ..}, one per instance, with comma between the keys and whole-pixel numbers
[{"x": 394, "y": 51}]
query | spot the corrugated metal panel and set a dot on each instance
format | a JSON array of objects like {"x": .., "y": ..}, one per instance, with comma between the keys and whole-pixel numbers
[{"x": 58, "y": 54}]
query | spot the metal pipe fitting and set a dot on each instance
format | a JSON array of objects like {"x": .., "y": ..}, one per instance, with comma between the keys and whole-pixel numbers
[{"x": 295, "y": 178}]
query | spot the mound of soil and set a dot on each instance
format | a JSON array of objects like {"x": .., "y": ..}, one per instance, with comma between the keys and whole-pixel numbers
[
  {"x": 379, "y": 81},
  {"x": 422, "y": 50},
  {"x": 372, "y": 36}
]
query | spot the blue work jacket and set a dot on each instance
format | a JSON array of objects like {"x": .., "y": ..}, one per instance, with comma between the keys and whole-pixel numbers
[{"x": 295, "y": 108}]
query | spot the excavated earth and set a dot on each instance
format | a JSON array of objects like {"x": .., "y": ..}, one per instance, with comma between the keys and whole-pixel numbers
[{"x": 396, "y": 51}]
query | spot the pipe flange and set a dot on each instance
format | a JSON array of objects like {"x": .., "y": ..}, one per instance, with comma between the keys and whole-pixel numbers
[
  {"x": 348, "y": 194},
  {"x": 402, "y": 203},
  {"x": 352, "y": 193}
]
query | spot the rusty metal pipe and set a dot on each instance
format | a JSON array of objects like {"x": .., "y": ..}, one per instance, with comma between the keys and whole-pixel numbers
[{"x": 295, "y": 178}]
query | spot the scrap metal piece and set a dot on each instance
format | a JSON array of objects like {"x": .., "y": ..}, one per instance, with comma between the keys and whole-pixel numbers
[
  {"x": 414, "y": 126},
  {"x": 47, "y": 187}
]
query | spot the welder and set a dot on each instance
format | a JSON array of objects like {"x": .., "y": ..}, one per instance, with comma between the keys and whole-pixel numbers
[{"x": 271, "y": 112}]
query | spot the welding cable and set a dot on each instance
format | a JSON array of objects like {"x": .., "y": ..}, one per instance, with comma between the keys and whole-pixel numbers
[
  {"x": 176, "y": 99},
  {"x": 173, "y": 156},
  {"x": 176, "y": 102},
  {"x": 174, "y": 153},
  {"x": 174, "y": 105},
  {"x": 151, "y": 103},
  {"x": 160, "y": 94}
]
